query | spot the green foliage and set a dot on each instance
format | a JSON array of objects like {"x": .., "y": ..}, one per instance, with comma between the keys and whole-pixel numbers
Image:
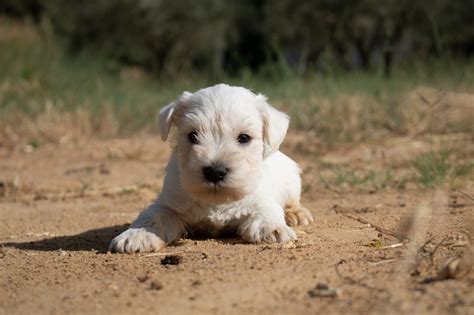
[
  {"x": 34, "y": 144},
  {"x": 215, "y": 37},
  {"x": 375, "y": 243},
  {"x": 35, "y": 72},
  {"x": 433, "y": 168},
  {"x": 333, "y": 175},
  {"x": 165, "y": 37},
  {"x": 436, "y": 168}
]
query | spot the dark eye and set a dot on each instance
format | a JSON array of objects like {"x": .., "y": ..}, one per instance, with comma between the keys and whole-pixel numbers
[
  {"x": 193, "y": 137},
  {"x": 243, "y": 138}
]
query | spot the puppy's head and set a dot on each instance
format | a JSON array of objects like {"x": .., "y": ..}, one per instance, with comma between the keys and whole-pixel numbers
[{"x": 223, "y": 135}]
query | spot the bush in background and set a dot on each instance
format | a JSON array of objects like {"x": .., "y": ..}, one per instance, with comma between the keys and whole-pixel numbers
[{"x": 215, "y": 37}]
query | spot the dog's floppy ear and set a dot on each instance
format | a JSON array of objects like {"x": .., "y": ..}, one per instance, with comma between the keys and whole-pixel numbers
[
  {"x": 166, "y": 115},
  {"x": 275, "y": 125}
]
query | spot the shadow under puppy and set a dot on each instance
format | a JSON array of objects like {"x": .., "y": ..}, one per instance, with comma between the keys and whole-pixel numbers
[{"x": 225, "y": 172}]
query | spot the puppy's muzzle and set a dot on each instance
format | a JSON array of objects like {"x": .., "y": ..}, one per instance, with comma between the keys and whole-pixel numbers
[{"x": 214, "y": 173}]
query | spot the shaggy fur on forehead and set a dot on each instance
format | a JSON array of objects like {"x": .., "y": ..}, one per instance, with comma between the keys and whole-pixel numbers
[
  {"x": 221, "y": 100},
  {"x": 222, "y": 94},
  {"x": 217, "y": 109}
]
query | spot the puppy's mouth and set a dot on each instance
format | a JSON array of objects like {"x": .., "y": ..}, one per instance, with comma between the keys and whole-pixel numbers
[
  {"x": 218, "y": 193},
  {"x": 214, "y": 189},
  {"x": 217, "y": 189}
]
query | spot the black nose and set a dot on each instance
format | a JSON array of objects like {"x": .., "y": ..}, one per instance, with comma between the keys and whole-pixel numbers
[{"x": 214, "y": 173}]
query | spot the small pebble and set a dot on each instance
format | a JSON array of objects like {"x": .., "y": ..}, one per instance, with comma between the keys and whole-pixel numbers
[
  {"x": 155, "y": 285},
  {"x": 323, "y": 290},
  {"x": 144, "y": 278},
  {"x": 289, "y": 245},
  {"x": 172, "y": 260}
]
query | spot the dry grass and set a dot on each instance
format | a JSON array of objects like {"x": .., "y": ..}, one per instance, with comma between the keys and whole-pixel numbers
[
  {"x": 348, "y": 118},
  {"x": 431, "y": 110},
  {"x": 53, "y": 126},
  {"x": 357, "y": 117},
  {"x": 49, "y": 96}
]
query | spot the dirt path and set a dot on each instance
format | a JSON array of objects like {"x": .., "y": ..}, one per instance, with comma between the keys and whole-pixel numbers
[{"x": 61, "y": 205}]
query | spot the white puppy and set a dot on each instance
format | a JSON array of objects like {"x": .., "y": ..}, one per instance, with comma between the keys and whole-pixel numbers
[{"x": 225, "y": 172}]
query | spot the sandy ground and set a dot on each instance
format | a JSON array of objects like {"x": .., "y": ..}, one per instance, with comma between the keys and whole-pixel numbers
[{"x": 60, "y": 206}]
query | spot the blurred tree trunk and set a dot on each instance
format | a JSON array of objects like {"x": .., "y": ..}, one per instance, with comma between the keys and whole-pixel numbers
[
  {"x": 393, "y": 35},
  {"x": 218, "y": 59},
  {"x": 435, "y": 37}
]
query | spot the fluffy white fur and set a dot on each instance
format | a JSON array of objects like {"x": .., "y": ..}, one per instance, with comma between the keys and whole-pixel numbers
[{"x": 259, "y": 196}]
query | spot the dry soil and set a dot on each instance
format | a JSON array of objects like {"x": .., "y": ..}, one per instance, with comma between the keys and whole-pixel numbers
[{"x": 61, "y": 204}]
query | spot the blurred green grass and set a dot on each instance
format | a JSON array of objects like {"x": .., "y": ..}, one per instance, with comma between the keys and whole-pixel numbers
[
  {"x": 36, "y": 72},
  {"x": 436, "y": 168}
]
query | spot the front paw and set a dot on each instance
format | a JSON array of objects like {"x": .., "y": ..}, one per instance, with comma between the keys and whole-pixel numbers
[
  {"x": 259, "y": 231},
  {"x": 136, "y": 240},
  {"x": 297, "y": 215}
]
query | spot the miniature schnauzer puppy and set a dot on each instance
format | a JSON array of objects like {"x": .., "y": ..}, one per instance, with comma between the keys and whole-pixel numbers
[{"x": 225, "y": 172}]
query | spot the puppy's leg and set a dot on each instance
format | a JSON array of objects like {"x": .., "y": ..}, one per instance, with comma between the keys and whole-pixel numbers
[
  {"x": 282, "y": 180},
  {"x": 266, "y": 224},
  {"x": 296, "y": 214},
  {"x": 151, "y": 231}
]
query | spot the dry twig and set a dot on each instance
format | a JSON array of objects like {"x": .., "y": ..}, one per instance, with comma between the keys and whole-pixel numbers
[
  {"x": 454, "y": 268},
  {"x": 383, "y": 262},
  {"x": 392, "y": 246},
  {"x": 464, "y": 194},
  {"x": 436, "y": 249},
  {"x": 380, "y": 229},
  {"x": 89, "y": 192},
  {"x": 349, "y": 279}
]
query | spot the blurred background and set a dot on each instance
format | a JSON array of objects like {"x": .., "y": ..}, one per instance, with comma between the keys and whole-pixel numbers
[
  {"x": 345, "y": 70},
  {"x": 381, "y": 99}
]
